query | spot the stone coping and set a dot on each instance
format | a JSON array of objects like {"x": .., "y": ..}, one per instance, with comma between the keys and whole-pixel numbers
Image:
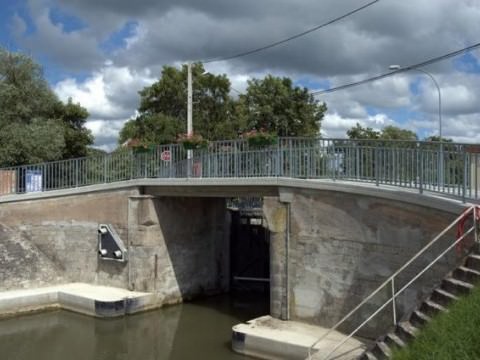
[{"x": 92, "y": 300}]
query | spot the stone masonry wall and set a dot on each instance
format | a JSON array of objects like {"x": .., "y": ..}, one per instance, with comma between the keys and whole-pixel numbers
[{"x": 342, "y": 246}]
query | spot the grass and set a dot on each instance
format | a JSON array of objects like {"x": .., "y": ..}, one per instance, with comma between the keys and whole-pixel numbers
[{"x": 449, "y": 336}]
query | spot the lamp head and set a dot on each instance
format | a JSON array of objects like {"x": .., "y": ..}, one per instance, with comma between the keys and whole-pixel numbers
[{"x": 394, "y": 67}]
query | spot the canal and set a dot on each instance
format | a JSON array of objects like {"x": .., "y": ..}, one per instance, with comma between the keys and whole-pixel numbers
[{"x": 196, "y": 330}]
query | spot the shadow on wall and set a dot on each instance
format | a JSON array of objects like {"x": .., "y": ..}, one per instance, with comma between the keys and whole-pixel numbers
[{"x": 180, "y": 249}]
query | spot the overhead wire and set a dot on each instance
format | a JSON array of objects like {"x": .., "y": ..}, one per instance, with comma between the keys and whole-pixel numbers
[
  {"x": 293, "y": 37},
  {"x": 403, "y": 69}
]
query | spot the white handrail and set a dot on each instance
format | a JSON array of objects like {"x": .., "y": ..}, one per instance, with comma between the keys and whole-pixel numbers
[{"x": 392, "y": 277}]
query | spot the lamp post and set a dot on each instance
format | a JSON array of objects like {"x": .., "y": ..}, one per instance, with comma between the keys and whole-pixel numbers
[{"x": 440, "y": 159}]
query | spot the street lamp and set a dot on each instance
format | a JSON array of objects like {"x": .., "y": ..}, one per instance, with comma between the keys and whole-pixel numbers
[{"x": 440, "y": 167}]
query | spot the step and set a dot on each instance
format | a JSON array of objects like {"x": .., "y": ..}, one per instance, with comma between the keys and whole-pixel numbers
[
  {"x": 367, "y": 355},
  {"x": 381, "y": 350},
  {"x": 442, "y": 297},
  {"x": 393, "y": 340},
  {"x": 431, "y": 308},
  {"x": 406, "y": 331},
  {"x": 473, "y": 262},
  {"x": 419, "y": 319},
  {"x": 456, "y": 287},
  {"x": 466, "y": 274}
]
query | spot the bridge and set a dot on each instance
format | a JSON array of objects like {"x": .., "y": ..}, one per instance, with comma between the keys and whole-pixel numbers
[{"x": 342, "y": 216}]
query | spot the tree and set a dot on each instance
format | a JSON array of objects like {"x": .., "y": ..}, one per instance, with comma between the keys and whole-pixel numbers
[
  {"x": 163, "y": 107},
  {"x": 77, "y": 136},
  {"x": 388, "y": 133},
  {"x": 35, "y": 125},
  {"x": 24, "y": 93},
  {"x": 151, "y": 129},
  {"x": 395, "y": 133},
  {"x": 275, "y": 105},
  {"x": 360, "y": 133}
]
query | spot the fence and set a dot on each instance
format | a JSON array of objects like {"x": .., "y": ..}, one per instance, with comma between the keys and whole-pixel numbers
[{"x": 446, "y": 168}]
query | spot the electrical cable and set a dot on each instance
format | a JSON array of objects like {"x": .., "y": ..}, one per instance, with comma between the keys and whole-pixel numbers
[
  {"x": 403, "y": 69},
  {"x": 293, "y": 37}
]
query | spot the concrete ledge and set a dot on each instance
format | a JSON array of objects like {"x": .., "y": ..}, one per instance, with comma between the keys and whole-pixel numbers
[
  {"x": 262, "y": 186},
  {"x": 269, "y": 338},
  {"x": 98, "y": 301}
]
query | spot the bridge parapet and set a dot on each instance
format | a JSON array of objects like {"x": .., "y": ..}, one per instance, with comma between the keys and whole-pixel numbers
[{"x": 450, "y": 169}]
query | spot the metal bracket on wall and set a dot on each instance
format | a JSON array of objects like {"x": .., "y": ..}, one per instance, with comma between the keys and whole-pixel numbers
[{"x": 110, "y": 246}]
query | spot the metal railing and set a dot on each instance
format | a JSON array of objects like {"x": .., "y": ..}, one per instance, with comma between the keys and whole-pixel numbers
[
  {"x": 473, "y": 211},
  {"x": 410, "y": 164}
]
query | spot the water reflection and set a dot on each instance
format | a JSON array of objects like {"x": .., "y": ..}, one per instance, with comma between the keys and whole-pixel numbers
[{"x": 199, "y": 330}]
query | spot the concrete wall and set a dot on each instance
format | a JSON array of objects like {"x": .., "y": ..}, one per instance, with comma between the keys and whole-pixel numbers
[
  {"x": 176, "y": 246},
  {"x": 52, "y": 241},
  {"x": 340, "y": 248}
]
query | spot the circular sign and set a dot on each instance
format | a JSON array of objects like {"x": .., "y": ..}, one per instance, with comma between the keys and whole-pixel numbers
[{"x": 166, "y": 155}]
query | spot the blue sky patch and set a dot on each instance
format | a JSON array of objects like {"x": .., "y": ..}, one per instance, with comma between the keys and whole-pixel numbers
[
  {"x": 313, "y": 84},
  {"x": 68, "y": 23},
  {"x": 467, "y": 63},
  {"x": 117, "y": 40}
]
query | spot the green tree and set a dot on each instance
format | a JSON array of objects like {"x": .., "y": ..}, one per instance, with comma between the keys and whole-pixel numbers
[
  {"x": 24, "y": 93},
  {"x": 77, "y": 137},
  {"x": 275, "y": 105},
  {"x": 390, "y": 132},
  {"x": 163, "y": 107},
  {"x": 360, "y": 133},
  {"x": 35, "y": 125}
]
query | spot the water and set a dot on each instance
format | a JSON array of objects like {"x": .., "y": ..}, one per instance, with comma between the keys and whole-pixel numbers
[{"x": 198, "y": 330}]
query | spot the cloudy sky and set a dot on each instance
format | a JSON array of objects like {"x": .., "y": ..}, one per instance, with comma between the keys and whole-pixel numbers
[{"x": 102, "y": 52}]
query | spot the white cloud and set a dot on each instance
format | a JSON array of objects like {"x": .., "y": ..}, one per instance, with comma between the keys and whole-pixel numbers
[
  {"x": 365, "y": 44},
  {"x": 110, "y": 96}
]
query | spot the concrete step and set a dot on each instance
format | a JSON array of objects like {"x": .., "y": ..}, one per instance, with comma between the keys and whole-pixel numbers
[
  {"x": 466, "y": 274},
  {"x": 406, "y": 331},
  {"x": 419, "y": 319},
  {"x": 442, "y": 297},
  {"x": 473, "y": 262},
  {"x": 431, "y": 308},
  {"x": 393, "y": 340},
  {"x": 381, "y": 350},
  {"x": 456, "y": 287},
  {"x": 367, "y": 355}
]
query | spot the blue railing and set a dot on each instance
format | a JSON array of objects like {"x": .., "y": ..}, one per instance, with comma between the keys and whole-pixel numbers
[{"x": 447, "y": 168}]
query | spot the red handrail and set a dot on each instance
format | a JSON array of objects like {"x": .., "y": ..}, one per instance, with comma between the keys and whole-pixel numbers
[{"x": 461, "y": 227}]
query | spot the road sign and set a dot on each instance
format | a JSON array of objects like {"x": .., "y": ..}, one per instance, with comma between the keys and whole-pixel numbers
[{"x": 166, "y": 155}]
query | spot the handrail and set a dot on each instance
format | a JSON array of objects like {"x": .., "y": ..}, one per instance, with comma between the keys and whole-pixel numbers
[
  {"x": 472, "y": 209},
  {"x": 406, "y": 164}
]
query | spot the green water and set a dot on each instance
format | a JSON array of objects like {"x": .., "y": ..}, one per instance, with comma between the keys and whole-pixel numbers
[{"x": 198, "y": 330}]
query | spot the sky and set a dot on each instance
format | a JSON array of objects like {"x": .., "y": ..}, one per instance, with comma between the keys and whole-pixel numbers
[{"x": 102, "y": 52}]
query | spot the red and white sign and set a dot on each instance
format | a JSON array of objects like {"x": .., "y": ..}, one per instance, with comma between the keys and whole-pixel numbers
[{"x": 166, "y": 155}]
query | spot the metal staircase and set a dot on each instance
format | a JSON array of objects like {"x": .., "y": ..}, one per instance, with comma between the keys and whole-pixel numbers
[{"x": 458, "y": 282}]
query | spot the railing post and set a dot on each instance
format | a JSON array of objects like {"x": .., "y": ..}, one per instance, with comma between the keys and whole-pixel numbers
[
  {"x": 104, "y": 168},
  {"x": 377, "y": 165},
  {"x": 76, "y": 172},
  {"x": 420, "y": 168},
  {"x": 277, "y": 162},
  {"x": 475, "y": 222},
  {"x": 465, "y": 176},
  {"x": 394, "y": 302}
]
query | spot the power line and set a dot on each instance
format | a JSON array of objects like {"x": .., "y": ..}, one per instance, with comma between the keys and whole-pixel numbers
[
  {"x": 403, "y": 69},
  {"x": 253, "y": 51}
]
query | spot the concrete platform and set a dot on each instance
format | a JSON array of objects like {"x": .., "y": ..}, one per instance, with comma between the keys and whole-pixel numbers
[
  {"x": 269, "y": 338},
  {"x": 98, "y": 301}
]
